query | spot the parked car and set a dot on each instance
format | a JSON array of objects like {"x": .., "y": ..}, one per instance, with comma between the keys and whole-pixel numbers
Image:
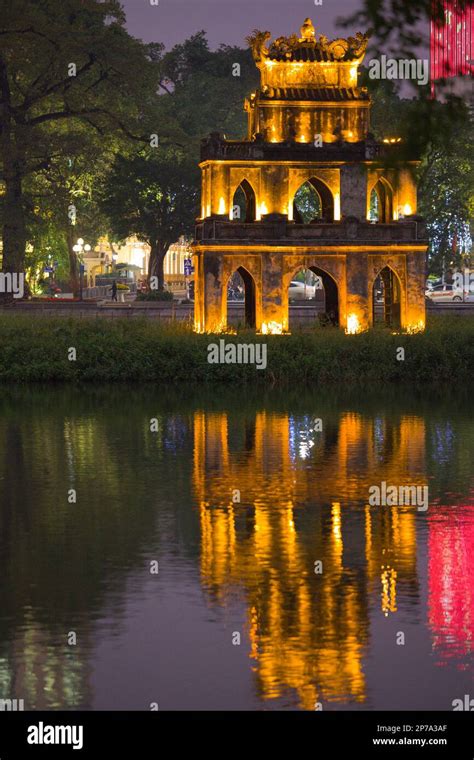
[
  {"x": 444, "y": 294},
  {"x": 298, "y": 291}
]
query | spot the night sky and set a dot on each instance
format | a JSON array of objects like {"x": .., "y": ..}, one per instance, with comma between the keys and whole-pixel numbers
[{"x": 230, "y": 21}]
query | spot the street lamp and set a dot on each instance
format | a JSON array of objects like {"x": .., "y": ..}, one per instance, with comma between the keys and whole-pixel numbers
[{"x": 79, "y": 248}]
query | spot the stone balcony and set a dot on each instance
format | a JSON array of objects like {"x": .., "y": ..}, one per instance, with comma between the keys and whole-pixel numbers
[
  {"x": 217, "y": 148},
  {"x": 277, "y": 230}
]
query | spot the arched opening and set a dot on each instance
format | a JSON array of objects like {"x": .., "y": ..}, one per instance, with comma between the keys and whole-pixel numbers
[
  {"x": 381, "y": 202},
  {"x": 313, "y": 202},
  {"x": 313, "y": 293},
  {"x": 386, "y": 299},
  {"x": 241, "y": 299},
  {"x": 244, "y": 203}
]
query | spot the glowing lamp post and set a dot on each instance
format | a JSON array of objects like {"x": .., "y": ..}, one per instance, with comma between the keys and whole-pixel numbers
[{"x": 80, "y": 248}]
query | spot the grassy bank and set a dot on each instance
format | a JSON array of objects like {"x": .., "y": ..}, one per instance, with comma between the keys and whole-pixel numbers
[{"x": 123, "y": 350}]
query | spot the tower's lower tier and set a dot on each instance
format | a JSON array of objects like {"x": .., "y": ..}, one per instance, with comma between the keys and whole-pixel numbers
[{"x": 356, "y": 279}]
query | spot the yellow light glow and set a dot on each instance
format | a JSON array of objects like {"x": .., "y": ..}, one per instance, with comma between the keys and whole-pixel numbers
[
  {"x": 336, "y": 521},
  {"x": 263, "y": 209},
  {"x": 208, "y": 210},
  {"x": 221, "y": 206},
  {"x": 353, "y": 73},
  {"x": 272, "y": 328},
  {"x": 407, "y": 209},
  {"x": 337, "y": 207},
  {"x": 218, "y": 328},
  {"x": 353, "y": 325},
  {"x": 388, "y": 578},
  {"x": 416, "y": 327}
]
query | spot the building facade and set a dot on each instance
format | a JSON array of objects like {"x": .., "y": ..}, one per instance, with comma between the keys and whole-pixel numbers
[
  {"x": 135, "y": 253},
  {"x": 308, "y": 124}
]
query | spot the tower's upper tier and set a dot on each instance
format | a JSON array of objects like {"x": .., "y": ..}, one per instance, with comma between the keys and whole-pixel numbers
[{"x": 308, "y": 87}]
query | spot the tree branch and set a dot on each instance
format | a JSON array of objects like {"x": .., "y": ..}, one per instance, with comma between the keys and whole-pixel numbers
[{"x": 65, "y": 83}]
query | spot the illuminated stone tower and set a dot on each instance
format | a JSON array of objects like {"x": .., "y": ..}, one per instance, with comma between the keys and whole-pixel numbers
[{"x": 308, "y": 124}]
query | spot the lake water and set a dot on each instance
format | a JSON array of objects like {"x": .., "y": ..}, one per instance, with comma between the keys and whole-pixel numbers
[{"x": 217, "y": 550}]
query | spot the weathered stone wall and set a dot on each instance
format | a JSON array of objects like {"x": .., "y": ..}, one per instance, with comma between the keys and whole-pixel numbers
[
  {"x": 415, "y": 318},
  {"x": 354, "y": 191}
]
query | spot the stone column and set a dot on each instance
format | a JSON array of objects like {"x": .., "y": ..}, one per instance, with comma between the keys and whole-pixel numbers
[
  {"x": 199, "y": 325},
  {"x": 274, "y": 313},
  {"x": 415, "y": 312},
  {"x": 215, "y": 317},
  {"x": 355, "y": 317},
  {"x": 354, "y": 191}
]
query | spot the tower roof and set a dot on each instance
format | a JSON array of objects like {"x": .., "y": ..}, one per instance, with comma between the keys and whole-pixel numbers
[{"x": 308, "y": 48}]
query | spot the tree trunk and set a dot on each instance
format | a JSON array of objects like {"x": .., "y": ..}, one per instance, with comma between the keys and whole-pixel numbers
[
  {"x": 14, "y": 230},
  {"x": 14, "y": 227},
  {"x": 73, "y": 268},
  {"x": 156, "y": 262}
]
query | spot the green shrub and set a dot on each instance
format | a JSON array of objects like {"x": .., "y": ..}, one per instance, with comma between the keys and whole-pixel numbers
[
  {"x": 155, "y": 295},
  {"x": 35, "y": 349}
]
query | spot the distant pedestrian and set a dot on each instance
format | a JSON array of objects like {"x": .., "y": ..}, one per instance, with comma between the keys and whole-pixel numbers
[{"x": 114, "y": 290}]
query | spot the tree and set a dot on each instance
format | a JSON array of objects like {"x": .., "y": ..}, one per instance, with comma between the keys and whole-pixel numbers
[
  {"x": 204, "y": 90},
  {"x": 46, "y": 247},
  {"x": 66, "y": 193},
  {"x": 62, "y": 65},
  {"x": 447, "y": 197},
  {"x": 153, "y": 195}
]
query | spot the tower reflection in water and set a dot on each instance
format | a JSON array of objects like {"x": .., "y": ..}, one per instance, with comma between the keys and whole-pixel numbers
[
  {"x": 303, "y": 501},
  {"x": 311, "y": 636}
]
